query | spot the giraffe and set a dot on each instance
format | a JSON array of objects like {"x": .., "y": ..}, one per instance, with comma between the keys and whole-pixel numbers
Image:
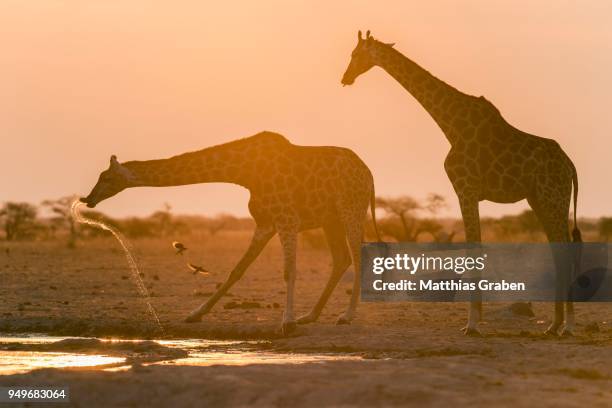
[
  {"x": 489, "y": 159},
  {"x": 293, "y": 188}
]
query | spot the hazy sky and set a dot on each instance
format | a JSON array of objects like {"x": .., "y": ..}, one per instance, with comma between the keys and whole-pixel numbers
[{"x": 81, "y": 80}]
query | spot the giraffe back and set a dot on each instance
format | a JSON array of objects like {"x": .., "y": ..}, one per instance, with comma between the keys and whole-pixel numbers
[{"x": 313, "y": 183}]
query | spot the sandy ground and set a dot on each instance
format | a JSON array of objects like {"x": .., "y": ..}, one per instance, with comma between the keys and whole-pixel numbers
[{"x": 414, "y": 352}]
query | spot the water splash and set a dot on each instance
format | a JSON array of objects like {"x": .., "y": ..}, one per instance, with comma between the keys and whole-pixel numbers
[{"x": 127, "y": 249}]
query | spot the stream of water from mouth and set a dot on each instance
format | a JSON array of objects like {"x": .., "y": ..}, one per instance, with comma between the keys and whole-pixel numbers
[{"x": 135, "y": 272}]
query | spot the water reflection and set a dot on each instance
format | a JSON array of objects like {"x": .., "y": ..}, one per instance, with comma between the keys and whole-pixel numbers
[
  {"x": 17, "y": 362},
  {"x": 14, "y": 362}
]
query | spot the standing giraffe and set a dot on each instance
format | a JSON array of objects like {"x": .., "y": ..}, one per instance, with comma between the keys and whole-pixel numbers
[
  {"x": 489, "y": 160},
  {"x": 293, "y": 188}
]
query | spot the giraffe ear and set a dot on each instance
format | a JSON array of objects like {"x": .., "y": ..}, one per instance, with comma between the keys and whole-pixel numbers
[
  {"x": 118, "y": 168},
  {"x": 114, "y": 163},
  {"x": 390, "y": 45}
]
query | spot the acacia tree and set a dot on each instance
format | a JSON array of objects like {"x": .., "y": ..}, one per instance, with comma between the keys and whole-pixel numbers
[
  {"x": 405, "y": 208},
  {"x": 434, "y": 203},
  {"x": 17, "y": 219},
  {"x": 62, "y": 216}
]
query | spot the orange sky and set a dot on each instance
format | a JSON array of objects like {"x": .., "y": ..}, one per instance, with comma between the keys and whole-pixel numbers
[{"x": 82, "y": 80}]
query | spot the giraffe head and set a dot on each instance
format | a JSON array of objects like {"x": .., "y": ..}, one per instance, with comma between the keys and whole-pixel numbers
[
  {"x": 362, "y": 58},
  {"x": 111, "y": 181}
]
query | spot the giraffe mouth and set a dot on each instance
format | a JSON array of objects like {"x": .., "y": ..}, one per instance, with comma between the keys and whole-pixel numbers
[
  {"x": 347, "y": 81},
  {"x": 87, "y": 201}
]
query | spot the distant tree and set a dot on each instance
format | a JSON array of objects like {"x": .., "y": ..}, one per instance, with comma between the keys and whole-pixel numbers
[
  {"x": 392, "y": 227},
  {"x": 62, "y": 217},
  {"x": 17, "y": 219},
  {"x": 434, "y": 203},
  {"x": 605, "y": 228},
  {"x": 404, "y": 208},
  {"x": 432, "y": 227},
  {"x": 445, "y": 237},
  {"x": 164, "y": 220}
]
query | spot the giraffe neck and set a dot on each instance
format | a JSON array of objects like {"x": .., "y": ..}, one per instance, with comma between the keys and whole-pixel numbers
[
  {"x": 436, "y": 96},
  {"x": 217, "y": 164}
]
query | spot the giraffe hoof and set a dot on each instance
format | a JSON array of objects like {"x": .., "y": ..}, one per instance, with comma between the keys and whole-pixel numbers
[
  {"x": 567, "y": 333},
  {"x": 342, "y": 320},
  {"x": 471, "y": 331},
  {"x": 288, "y": 327},
  {"x": 193, "y": 318},
  {"x": 306, "y": 319},
  {"x": 552, "y": 331}
]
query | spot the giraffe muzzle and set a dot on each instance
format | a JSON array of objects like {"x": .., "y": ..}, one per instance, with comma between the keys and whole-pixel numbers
[
  {"x": 347, "y": 80},
  {"x": 87, "y": 201}
]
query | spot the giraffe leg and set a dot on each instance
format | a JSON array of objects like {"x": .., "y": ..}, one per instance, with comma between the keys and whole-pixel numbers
[
  {"x": 341, "y": 257},
  {"x": 562, "y": 269},
  {"x": 553, "y": 216},
  {"x": 471, "y": 222},
  {"x": 559, "y": 261},
  {"x": 288, "y": 238},
  {"x": 260, "y": 238},
  {"x": 354, "y": 233},
  {"x": 570, "y": 320}
]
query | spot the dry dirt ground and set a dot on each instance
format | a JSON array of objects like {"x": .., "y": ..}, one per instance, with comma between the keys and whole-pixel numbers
[{"x": 414, "y": 353}]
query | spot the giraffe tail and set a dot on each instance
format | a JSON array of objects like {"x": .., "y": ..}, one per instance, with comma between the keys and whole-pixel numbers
[
  {"x": 373, "y": 210},
  {"x": 576, "y": 234}
]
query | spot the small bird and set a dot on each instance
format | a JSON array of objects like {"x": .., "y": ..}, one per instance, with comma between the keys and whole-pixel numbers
[
  {"x": 197, "y": 269},
  {"x": 180, "y": 248}
]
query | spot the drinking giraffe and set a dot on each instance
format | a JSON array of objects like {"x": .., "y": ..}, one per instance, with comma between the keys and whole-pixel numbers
[{"x": 293, "y": 188}]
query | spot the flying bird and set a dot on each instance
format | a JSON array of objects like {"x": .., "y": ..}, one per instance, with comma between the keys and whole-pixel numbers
[
  {"x": 180, "y": 248},
  {"x": 197, "y": 269}
]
